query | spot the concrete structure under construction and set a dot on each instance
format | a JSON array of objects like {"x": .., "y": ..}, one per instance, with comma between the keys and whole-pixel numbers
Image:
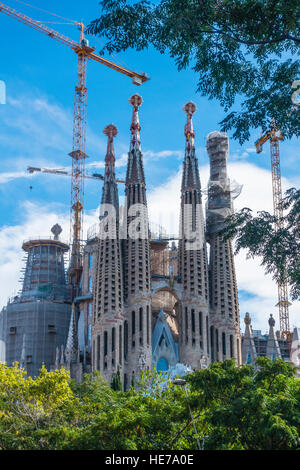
[
  {"x": 36, "y": 322},
  {"x": 225, "y": 337},
  {"x": 271, "y": 345}
]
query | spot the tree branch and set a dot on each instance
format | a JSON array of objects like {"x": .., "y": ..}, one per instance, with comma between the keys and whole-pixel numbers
[
  {"x": 182, "y": 429},
  {"x": 250, "y": 43}
]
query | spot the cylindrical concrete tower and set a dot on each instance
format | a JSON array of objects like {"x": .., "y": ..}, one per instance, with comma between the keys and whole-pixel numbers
[
  {"x": 225, "y": 335},
  {"x": 37, "y": 321}
]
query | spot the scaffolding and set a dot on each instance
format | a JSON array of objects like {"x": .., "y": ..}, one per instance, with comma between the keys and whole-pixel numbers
[
  {"x": 35, "y": 323},
  {"x": 44, "y": 274}
]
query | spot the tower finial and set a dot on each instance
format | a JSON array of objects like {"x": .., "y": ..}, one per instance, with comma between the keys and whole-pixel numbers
[
  {"x": 56, "y": 230},
  {"x": 135, "y": 101},
  {"x": 271, "y": 321},
  {"x": 110, "y": 131},
  {"x": 189, "y": 108}
]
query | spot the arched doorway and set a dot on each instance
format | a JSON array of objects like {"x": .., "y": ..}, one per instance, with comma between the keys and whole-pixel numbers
[
  {"x": 162, "y": 365},
  {"x": 165, "y": 331},
  {"x": 165, "y": 298}
]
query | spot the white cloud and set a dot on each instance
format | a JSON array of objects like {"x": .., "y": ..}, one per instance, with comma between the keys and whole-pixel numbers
[
  {"x": 164, "y": 204},
  {"x": 6, "y": 177},
  {"x": 122, "y": 161},
  {"x": 37, "y": 132},
  {"x": 240, "y": 154},
  {"x": 150, "y": 155}
]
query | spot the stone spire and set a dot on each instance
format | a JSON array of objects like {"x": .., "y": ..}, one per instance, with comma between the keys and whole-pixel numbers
[
  {"x": 110, "y": 188},
  {"x": 107, "y": 331},
  {"x": 56, "y": 364},
  {"x": 193, "y": 270},
  {"x": 248, "y": 348},
  {"x": 135, "y": 168},
  {"x": 190, "y": 175},
  {"x": 223, "y": 288},
  {"x": 136, "y": 256},
  {"x": 22, "y": 359},
  {"x": 62, "y": 355},
  {"x": 71, "y": 350},
  {"x": 273, "y": 349}
]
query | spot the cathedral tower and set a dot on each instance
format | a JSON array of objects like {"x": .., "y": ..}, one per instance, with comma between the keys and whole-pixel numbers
[
  {"x": 225, "y": 328},
  {"x": 193, "y": 270},
  {"x": 137, "y": 288},
  {"x": 107, "y": 335}
]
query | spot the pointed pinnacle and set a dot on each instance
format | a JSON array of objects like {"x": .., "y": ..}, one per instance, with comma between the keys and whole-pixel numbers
[
  {"x": 189, "y": 108},
  {"x": 135, "y": 101},
  {"x": 110, "y": 131}
]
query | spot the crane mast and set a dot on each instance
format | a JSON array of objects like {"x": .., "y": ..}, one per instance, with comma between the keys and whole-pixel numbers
[
  {"x": 78, "y": 154},
  {"x": 78, "y": 165},
  {"x": 275, "y": 136}
]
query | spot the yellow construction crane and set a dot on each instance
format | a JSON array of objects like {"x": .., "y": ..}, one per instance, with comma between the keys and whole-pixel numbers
[
  {"x": 84, "y": 52},
  {"x": 275, "y": 136}
]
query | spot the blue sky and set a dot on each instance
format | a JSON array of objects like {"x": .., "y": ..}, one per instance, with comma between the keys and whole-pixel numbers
[{"x": 36, "y": 130}]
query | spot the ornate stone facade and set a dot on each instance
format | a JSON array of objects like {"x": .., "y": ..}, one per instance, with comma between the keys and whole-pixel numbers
[
  {"x": 147, "y": 288},
  {"x": 145, "y": 300},
  {"x": 136, "y": 259},
  {"x": 108, "y": 311}
]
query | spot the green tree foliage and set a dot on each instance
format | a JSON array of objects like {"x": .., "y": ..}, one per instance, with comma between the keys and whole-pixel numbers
[
  {"x": 279, "y": 249},
  {"x": 116, "y": 383},
  {"x": 234, "y": 408},
  {"x": 250, "y": 408},
  {"x": 245, "y": 52},
  {"x": 52, "y": 412},
  {"x": 30, "y": 408}
]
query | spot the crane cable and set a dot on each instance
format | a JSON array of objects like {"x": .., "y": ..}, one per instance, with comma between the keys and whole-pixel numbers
[
  {"x": 116, "y": 59},
  {"x": 70, "y": 22},
  {"x": 48, "y": 12}
]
